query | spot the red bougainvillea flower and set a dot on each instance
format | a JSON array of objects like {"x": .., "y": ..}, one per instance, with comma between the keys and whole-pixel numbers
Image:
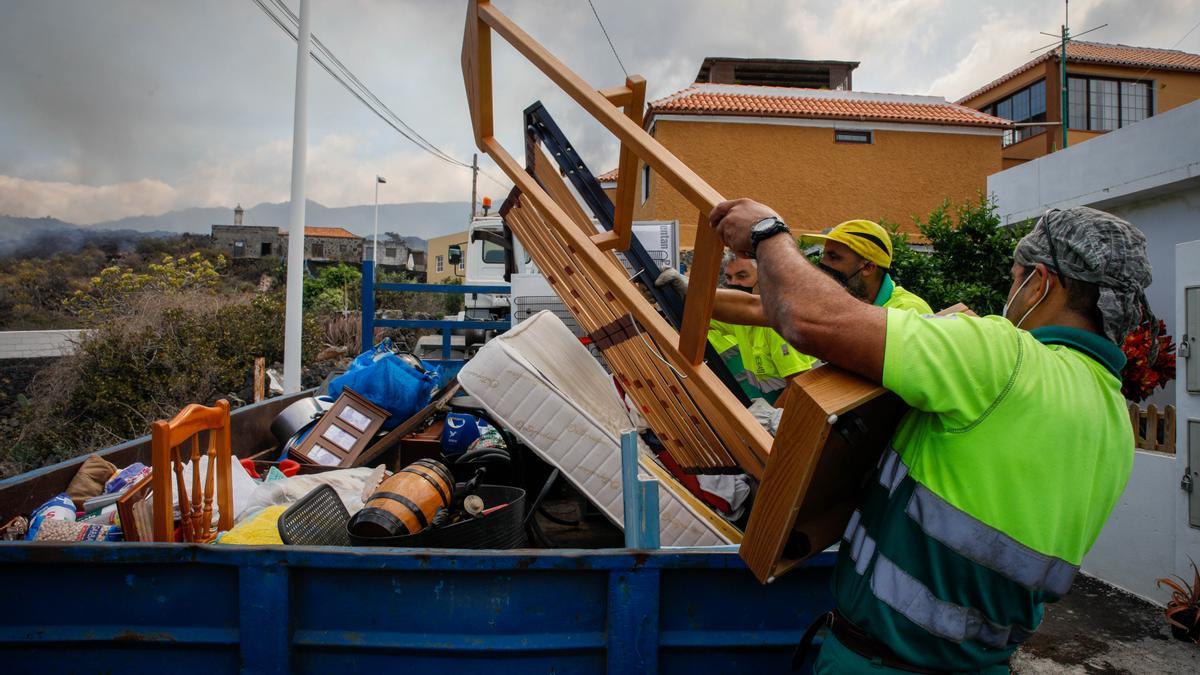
[{"x": 1140, "y": 377}]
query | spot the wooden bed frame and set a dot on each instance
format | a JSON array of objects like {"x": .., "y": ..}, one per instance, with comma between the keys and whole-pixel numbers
[{"x": 835, "y": 423}]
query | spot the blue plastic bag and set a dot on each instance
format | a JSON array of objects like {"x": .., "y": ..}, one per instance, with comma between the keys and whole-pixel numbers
[{"x": 386, "y": 380}]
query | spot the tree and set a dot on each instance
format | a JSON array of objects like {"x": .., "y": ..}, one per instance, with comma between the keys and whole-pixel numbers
[{"x": 970, "y": 260}]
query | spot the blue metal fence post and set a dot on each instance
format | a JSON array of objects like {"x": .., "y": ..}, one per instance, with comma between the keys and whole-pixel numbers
[
  {"x": 630, "y": 493},
  {"x": 639, "y": 498},
  {"x": 368, "y": 304},
  {"x": 648, "y": 518},
  {"x": 633, "y": 600},
  {"x": 264, "y": 624}
]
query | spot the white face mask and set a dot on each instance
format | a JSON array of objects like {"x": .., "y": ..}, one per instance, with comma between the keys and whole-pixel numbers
[{"x": 1008, "y": 304}]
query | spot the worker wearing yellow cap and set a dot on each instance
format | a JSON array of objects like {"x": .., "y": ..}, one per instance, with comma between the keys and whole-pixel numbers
[{"x": 858, "y": 253}]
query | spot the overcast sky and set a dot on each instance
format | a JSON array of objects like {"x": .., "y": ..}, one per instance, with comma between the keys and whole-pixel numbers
[{"x": 111, "y": 108}]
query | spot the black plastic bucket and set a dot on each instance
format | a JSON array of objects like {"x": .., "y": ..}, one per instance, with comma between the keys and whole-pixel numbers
[{"x": 500, "y": 529}]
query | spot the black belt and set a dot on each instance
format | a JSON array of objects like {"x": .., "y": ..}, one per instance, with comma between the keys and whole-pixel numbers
[{"x": 856, "y": 640}]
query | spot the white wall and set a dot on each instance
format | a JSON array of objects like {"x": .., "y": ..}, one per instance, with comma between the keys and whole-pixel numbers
[
  {"x": 1157, "y": 155},
  {"x": 27, "y": 344},
  {"x": 1147, "y": 173},
  {"x": 1187, "y": 538},
  {"x": 1138, "y": 542}
]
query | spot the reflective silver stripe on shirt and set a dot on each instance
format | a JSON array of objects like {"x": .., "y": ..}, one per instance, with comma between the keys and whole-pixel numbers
[
  {"x": 892, "y": 470},
  {"x": 903, "y": 593},
  {"x": 767, "y": 384},
  {"x": 988, "y": 546},
  {"x": 861, "y": 546}
]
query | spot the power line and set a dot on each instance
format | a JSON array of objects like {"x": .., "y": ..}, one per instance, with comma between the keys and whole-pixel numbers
[
  {"x": 1177, "y": 43},
  {"x": 363, "y": 87},
  {"x": 339, "y": 72},
  {"x": 610, "y": 42}
]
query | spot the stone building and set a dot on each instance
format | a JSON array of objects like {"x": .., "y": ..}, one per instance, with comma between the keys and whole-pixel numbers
[{"x": 321, "y": 244}]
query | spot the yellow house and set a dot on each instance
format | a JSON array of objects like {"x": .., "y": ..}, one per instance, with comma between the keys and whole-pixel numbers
[
  {"x": 437, "y": 259},
  {"x": 1109, "y": 87},
  {"x": 818, "y": 156}
]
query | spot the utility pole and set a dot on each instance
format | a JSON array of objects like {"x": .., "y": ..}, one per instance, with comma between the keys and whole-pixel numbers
[
  {"x": 375, "y": 232},
  {"x": 474, "y": 181},
  {"x": 294, "y": 315},
  {"x": 1062, "y": 71}
]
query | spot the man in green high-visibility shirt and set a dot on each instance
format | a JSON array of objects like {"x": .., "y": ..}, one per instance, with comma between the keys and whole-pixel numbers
[
  {"x": 760, "y": 360},
  {"x": 858, "y": 254},
  {"x": 1018, "y": 445}
]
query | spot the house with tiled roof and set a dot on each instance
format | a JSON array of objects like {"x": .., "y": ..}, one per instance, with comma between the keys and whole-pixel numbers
[
  {"x": 1109, "y": 86},
  {"x": 819, "y": 156},
  {"x": 321, "y": 244},
  {"x": 328, "y": 244}
]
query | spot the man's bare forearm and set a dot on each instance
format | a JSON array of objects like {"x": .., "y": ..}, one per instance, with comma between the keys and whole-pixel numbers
[
  {"x": 816, "y": 314},
  {"x": 739, "y": 307}
]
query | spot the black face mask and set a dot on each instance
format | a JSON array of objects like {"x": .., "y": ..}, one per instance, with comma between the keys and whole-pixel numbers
[
  {"x": 744, "y": 289},
  {"x": 835, "y": 274}
]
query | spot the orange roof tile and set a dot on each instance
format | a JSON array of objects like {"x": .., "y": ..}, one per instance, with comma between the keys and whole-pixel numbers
[
  {"x": 337, "y": 232},
  {"x": 1105, "y": 54},
  {"x": 731, "y": 99},
  {"x": 608, "y": 176}
]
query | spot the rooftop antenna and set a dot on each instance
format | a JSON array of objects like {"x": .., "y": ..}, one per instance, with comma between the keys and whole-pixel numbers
[{"x": 1064, "y": 37}]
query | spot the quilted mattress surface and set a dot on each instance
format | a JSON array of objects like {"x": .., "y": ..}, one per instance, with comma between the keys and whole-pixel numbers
[{"x": 541, "y": 383}]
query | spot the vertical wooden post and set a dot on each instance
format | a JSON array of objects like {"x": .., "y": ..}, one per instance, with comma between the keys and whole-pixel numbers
[
  {"x": 260, "y": 377},
  {"x": 702, "y": 292},
  {"x": 627, "y": 171}
]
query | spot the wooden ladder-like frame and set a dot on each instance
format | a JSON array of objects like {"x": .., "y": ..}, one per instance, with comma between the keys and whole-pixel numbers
[{"x": 786, "y": 465}]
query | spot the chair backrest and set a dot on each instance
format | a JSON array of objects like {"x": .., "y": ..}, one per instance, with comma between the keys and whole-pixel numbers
[{"x": 172, "y": 444}]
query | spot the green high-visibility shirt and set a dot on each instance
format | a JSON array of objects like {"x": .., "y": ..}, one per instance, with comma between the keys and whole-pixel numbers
[
  {"x": 890, "y": 295},
  {"x": 995, "y": 485},
  {"x": 764, "y": 359}
]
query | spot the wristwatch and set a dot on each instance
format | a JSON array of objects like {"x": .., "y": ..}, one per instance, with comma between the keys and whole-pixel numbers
[{"x": 763, "y": 230}]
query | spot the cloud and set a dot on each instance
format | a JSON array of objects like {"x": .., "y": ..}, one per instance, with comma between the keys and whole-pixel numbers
[
  {"x": 190, "y": 104},
  {"x": 84, "y": 203}
]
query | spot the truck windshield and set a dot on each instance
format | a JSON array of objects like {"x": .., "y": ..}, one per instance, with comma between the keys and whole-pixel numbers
[{"x": 492, "y": 253}]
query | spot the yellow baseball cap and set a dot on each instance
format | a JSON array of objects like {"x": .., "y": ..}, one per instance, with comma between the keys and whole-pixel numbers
[{"x": 864, "y": 237}]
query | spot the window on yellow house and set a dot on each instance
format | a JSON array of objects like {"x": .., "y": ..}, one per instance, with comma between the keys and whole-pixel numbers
[{"x": 852, "y": 136}]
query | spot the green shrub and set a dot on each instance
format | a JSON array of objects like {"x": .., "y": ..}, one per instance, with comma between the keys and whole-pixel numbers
[
  {"x": 164, "y": 351},
  {"x": 970, "y": 260}
]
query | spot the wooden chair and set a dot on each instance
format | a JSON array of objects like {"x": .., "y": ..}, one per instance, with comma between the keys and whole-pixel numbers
[{"x": 167, "y": 458}]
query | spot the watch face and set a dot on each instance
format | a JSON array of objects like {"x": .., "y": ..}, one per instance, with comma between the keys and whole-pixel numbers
[{"x": 764, "y": 225}]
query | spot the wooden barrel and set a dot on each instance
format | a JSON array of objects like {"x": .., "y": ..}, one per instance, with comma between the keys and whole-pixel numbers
[{"x": 406, "y": 502}]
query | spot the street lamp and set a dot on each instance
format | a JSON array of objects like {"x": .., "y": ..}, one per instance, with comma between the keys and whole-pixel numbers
[{"x": 375, "y": 239}]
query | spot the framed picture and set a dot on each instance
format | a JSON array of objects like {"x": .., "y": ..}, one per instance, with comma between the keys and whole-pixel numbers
[
  {"x": 343, "y": 432},
  {"x": 135, "y": 509}
]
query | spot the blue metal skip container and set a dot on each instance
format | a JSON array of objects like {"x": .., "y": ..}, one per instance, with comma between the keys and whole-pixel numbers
[{"x": 216, "y": 609}]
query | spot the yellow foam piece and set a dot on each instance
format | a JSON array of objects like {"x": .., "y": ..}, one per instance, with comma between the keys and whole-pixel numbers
[{"x": 261, "y": 530}]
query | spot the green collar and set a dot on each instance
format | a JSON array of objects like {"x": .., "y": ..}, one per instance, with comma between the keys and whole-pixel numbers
[
  {"x": 1099, "y": 348},
  {"x": 885, "y": 291}
]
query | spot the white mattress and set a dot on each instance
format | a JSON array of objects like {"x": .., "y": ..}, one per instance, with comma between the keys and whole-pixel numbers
[{"x": 541, "y": 383}]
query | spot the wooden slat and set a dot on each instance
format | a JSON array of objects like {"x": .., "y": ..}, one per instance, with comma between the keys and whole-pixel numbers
[
  {"x": 702, "y": 292},
  {"x": 618, "y": 96},
  {"x": 477, "y": 73},
  {"x": 637, "y": 365},
  {"x": 746, "y": 440},
  {"x": 627, "y": 168},
  {"x": 260, "y": 377},
  {"x": 675, "y": 172},
  {"x": 640, "y": 366}
]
